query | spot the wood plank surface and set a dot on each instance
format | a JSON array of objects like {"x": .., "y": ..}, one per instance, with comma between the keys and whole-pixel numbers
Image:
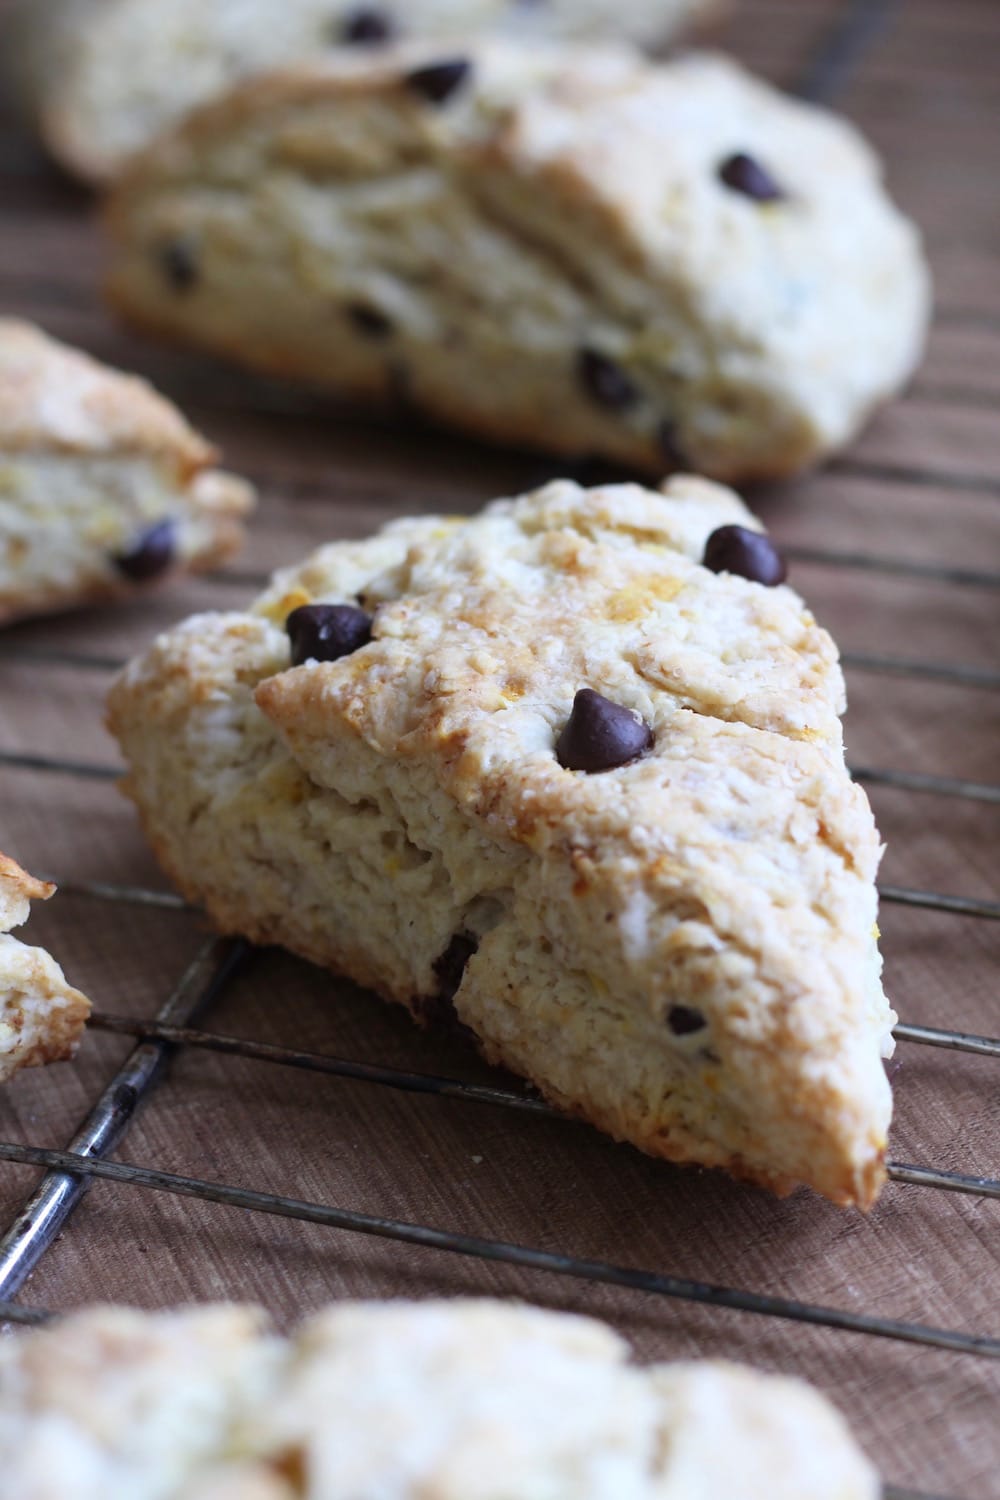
[{"x": 922, "y": 487}]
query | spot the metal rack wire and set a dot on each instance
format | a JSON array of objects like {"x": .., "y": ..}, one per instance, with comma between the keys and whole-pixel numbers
[{"x": 69, "y": 1173}]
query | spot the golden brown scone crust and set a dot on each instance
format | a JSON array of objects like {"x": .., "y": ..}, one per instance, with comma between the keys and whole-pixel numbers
[
  {"x": 400, "y": 815},
  {"x": 57, "y": 398},
  {"x": 41, "y": 1016}
]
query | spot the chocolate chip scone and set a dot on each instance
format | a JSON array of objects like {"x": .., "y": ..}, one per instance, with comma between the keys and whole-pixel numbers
[
  {"x": 41, "y": 1016},
  {"x": 461, "y": 1400},
  {"x": 572, "y": 772},
  {"x": 103, "y": 485},
  {"x": 579, "y": 251},
  {"x": 104, "y": 79}
]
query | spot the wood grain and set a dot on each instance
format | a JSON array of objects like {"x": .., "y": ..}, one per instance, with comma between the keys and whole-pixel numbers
[{"x": 922, "y": 484}]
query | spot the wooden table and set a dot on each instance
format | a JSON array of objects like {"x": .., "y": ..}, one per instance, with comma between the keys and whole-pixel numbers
[{"x": 895, "y": 545}]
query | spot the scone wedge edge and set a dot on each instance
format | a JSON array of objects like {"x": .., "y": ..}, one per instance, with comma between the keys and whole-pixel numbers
[
  {"x": 104, "y": 486},
  {"x": 41, "y": 1016},
  {"x": 681, "y": 949}
]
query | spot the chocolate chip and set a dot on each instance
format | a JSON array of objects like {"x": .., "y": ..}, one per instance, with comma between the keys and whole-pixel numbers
[
  {"x": 438, "y": 81},
  {"x": 366, "y": 27},
  {"x": 605, "y": 381},
  {"x": 369, "y": 321},
  {"x": 179, "y": 261},
  {"x": 438, "y": 1010},
  {"x": 682, "y": 1020},
  {"x": 326, "y": 632},
  {"x": 744, "y": 174},
  {"x": 735, "y": 549},
  {"x": 600, "y": 735},
  {"x": 150, "y": 554},
  {"x": 449, "y": 969}
]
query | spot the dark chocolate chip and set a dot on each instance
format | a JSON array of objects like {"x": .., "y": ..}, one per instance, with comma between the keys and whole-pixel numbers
[
  {"x": 326, "y": 632},
  {"x": 366, "y": 27},
  {"x": 600, "y": 735},
  {"x": 606, "y": 381},
  {"x": 179, "y": 261},
  {"x": 438, "y": 1010},
  {"x": 735, "y": 549},
  {"x": 369, "y": 321},
  {"x": 666, "y": 436},
  {"x": 449, "y": 969},
  {"x": 150, "y": 554},
  {"x": 744, "y": 174},
  {"x": 682, "y": 1020},
  {"x": 438, "y": 81}
]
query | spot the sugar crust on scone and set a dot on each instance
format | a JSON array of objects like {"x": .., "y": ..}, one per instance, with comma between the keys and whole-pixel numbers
[
  {"x": 89, "y": 460},
  {"x": 104, "y": 79},
  {"x": 547, "y": 256},
  {"x": 462, "y": 1400},
  {"x": 41, "y": 1016},
  {"x": 372, "y": 813}
]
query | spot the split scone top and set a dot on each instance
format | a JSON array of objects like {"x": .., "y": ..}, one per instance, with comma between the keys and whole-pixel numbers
[
  {"x": 400, "y": 1401},
  {"x": 104, "y": 79},
  {"x": 103, "y": 485},
  {"x": 667, "y": 265},
  {"x": 41, "y": 1016},
  {"x": 681, "y": 948}
]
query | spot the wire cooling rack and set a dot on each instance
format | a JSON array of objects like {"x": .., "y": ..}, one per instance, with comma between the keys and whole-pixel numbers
[
  {"x": 69, "y": 1173},
  {"x": 180, "y": 1025}
]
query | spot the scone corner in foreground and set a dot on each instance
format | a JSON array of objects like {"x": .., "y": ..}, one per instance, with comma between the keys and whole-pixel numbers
[
  {"x": 460, "y": 1400},
  {"x": 682, "y": 949},
  {"x": 41, "y": 1016},
  {"x": 104, "y": 487},
  {"x": 102, "y": 81},
  {"x": 578, "y": 250}
]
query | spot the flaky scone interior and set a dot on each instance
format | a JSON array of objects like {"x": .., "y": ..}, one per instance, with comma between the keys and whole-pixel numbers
[
  {"x": 463, "y": 1400},
  {"x": 104, "y": 487},
  {"x": 571, "y": 772},
  {"x": 41, "y": 1016}
]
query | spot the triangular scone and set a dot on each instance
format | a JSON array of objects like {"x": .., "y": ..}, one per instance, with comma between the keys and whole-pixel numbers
[
  {"x": 681, "y": 949},
  {"x": 461, "y": 1400},
  {"x": 41, "y": 1016},
  {"x": 578, "y": 250},
  {"x": 103, "y": 485},
  {"x": 104, "y": 80}
]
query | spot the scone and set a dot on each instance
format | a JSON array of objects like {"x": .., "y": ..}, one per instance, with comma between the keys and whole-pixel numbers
[
  {"x": 41, "y": 1016},
  {"x": 103, "y": 485},
  {"x": 579, "y": 251},
  {"x": 104, "y": 77},
  {"x": 571, "y": 773},
  {"x": 400, "y": 1401}
]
